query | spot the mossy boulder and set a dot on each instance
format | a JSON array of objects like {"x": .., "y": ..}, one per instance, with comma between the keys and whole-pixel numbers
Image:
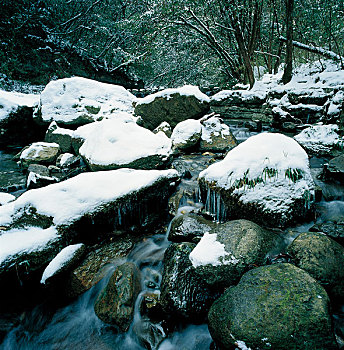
[
  {"x": 322, "y": 258},
  {"x": 235, "y": 247},
  {"x": 273, "y": 307},
  {"x": 172, "y": 106},
  {"x": 115, "y": 304},
  {"x": 94, "y": 266}
]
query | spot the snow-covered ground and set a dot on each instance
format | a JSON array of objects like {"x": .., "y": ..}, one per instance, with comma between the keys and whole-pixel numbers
[{"x": 315, "y": 80}]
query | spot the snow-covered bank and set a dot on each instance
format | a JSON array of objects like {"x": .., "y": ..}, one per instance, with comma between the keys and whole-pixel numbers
[{"x": 313, "y": 94}]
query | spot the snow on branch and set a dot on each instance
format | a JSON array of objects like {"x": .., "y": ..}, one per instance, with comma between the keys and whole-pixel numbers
[{"x": 316, "y": 49}]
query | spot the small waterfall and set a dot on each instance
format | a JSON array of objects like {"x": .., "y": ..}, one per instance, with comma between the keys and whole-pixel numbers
[{"x": 215, "y": 206}]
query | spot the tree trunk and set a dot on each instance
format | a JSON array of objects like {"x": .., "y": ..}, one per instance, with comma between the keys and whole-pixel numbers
[{"x": 288, "y": 71}]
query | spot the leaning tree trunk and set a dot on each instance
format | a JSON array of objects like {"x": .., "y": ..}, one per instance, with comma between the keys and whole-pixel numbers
[{"x": 288, "y": 71}]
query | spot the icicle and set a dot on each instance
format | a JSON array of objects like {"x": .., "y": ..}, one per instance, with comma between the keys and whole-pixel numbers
[
  {"x": 119, "y": 216},
  {"x": 207, "y": 203},
  {"x": 218, "y": 207},
  {"x": 213, "y": 198}
]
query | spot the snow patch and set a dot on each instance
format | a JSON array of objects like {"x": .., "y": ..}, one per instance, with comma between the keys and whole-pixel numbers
[
  {"x": 60, "y": 260},
  {"x": 6, "y": 198},
  {"x": 28, "y": 240},
  {"x": 319, "y": 137},
  {"x": 185, "y": 130},
  {"x": 213, "y": 127},
  {"x": 65, "y": 158},
  {"x": 10, "y": 101},
  {"x": 187, "y": 90},
  {"x": 210, "y": 251}
]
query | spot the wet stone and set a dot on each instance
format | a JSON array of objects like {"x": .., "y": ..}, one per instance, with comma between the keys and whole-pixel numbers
[{"x": 115, "y": 304}]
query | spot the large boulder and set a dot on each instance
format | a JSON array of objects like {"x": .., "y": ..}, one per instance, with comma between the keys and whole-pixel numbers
[
  {"x": 273, "y": 307},
  {"x": 265, "y": 179},
  {"x": 85, "y": 207},
  {"x": 17, "y": 109},
  {"x": 223, "y": 255},
  {"x": 184, "y": 295},
  {"x": 216, "y": 136},
  {"x": 77, "y": 101},
  {"x": 320, "y": 139},
  {"x": 172, "y": 106},
  {"x": 322, "y": 258},
  {"x": 40, "y": 153},
  {"x": 63, "y": 137},
  {"x": 113, "y": 144},
  {"x": 186, "y": 134},
  {"x": 115, "y": 304}
]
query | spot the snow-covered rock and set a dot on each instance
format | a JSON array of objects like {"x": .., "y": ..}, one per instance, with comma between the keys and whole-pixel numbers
[
  {"x": 86, "y": 195},
  {"x": 64, "y": 160},
  {"x": 112, "y": 144},
  {"x": 24, "y": 250},
  {"x": 265, "y": 179},
  {"x": 6, "y": 197},
  {"x": 314, "y": 93},
  {"x": 63, "y": 261},
  {"x": 36, "y": 180},
  {"x": 236, "y": 97},
  {"x": 172, "y": 106},
  {"x": 89, "y": 204},
  {"x": 79, "y": 101},
  {"x": 186, "y": 134},
  {"x": 320, "y": 139},
  {"x": 40, "y": 153},
  {"x": 226, "y": 252},
  {"x": 17, "y": 109},
  {"x": 216, "y": 136},
  {"x": 63, "y": 137},
  {"x": 11, "y": 101},
  {"x": 165, "y": 128}
]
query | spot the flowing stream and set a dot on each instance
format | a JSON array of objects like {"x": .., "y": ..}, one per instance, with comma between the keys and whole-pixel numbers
[{"x": 75, "y": 326}]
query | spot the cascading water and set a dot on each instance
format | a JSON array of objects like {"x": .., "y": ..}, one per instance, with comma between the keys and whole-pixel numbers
[{"x": 76, "y": 326}]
